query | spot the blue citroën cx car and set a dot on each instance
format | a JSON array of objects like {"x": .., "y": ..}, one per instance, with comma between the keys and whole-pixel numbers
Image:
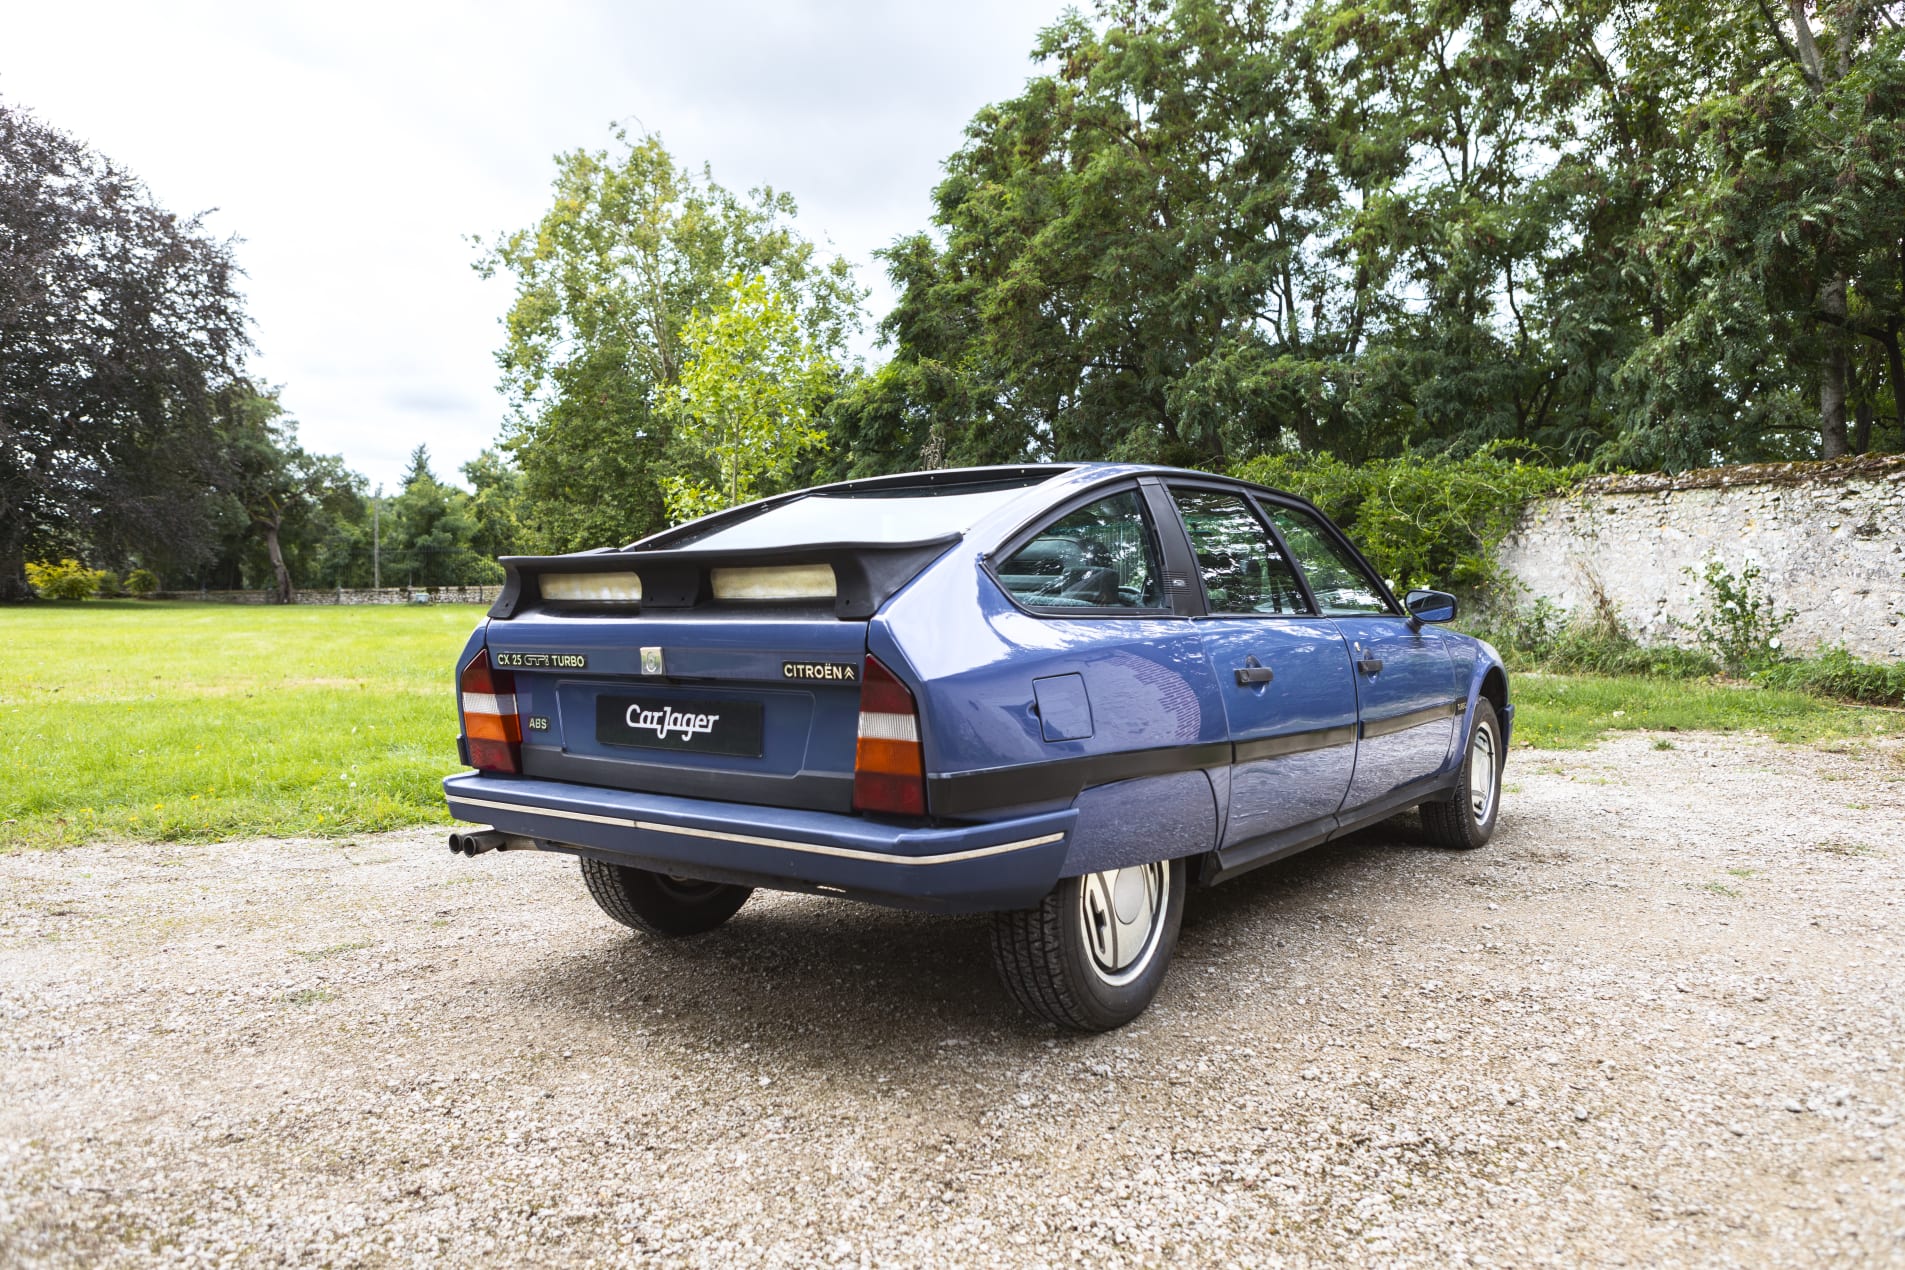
[{"x": 1061, "y": 694}]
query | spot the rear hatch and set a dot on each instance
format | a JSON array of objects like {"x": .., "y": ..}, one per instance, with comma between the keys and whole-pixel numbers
[
  {"x": 746, "y": 707},
  {"x": 724, "y": 659}
]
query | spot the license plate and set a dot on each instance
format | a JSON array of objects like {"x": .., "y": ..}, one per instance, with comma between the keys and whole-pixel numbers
[{"x": 697, "y": 727}]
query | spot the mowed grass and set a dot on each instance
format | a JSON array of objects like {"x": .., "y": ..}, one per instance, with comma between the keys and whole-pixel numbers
[
  {"x": 146, "y": 721},
  {"x": 141, "y": 722}
]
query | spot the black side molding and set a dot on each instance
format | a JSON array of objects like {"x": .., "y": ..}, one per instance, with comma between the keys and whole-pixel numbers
[
  {"x": 1061, "y": 780},
  {"x": 1413, "y": 719}
]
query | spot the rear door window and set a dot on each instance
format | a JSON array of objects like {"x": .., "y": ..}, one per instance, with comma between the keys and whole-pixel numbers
[
  {"x": 1244, "y": 570},
  {"x": 1341, "y": 585},
  {"x": 1102, "y": 557}
]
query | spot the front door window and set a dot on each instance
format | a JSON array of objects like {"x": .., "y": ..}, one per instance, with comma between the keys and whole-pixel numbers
[{"x": 1341, "y": 584}]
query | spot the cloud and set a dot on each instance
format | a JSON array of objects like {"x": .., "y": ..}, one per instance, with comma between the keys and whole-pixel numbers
[{"x": 355, "y": 147}]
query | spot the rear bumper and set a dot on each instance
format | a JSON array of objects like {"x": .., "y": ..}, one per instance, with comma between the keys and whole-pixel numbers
[{"x": 965, "y": 868}]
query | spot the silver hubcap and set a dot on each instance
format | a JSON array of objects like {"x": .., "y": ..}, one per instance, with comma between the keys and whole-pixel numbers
[
  {"x": 1123, "y": 915},
  {"x": 1481, "y": 773},
  {"x": 684, "y": 890}
]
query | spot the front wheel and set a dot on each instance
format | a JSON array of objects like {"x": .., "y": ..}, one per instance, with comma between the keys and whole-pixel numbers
[
  {"x": 1468, "y": 820},
  {"x": 1093, "y": 953},
  {"x": 658, "y": 904}
]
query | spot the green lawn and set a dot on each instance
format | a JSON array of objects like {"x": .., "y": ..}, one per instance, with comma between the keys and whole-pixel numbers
[
  {"x": 133, "y": 721},
  {"x": 142, "y": 721}
]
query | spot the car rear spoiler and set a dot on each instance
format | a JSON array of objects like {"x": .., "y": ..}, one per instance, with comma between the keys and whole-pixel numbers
[{"x": 865, "y": 574}]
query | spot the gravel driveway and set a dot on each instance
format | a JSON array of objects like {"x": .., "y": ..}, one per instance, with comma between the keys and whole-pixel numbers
[{"x": 1657, "y": 1021}]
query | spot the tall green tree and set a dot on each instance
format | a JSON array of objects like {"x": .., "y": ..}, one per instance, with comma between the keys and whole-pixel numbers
[
  {"x": 1780, "y": 257},
  {"x": 1615, "y": 229},
  {"x": 283, "y": 493},
  {"x": 632, "y": 247},
  {"x": 496, "y": 505},
  {"x": 745, "y": 405},
  {"x": 431, "y": 535},
  {"x": 119, "y": 324}
]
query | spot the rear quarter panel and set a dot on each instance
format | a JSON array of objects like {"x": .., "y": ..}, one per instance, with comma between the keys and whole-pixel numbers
[{"x": 972, "y": 656}]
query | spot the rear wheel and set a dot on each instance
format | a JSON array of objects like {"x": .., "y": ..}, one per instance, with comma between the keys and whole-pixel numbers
[
  {"x": 659, "y": 904},
  {"x": 1468, "y": 820},
  {"x": 1094, "y": 952}
]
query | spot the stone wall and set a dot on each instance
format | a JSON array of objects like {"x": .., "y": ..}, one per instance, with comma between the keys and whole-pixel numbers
[
  {"x": 1828, "y": 538},
  {"x": 366, "y": 595}
]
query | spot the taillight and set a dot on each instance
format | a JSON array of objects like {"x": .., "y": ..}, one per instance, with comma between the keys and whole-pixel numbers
[
  {"x": 491, "y": 727},
  {"x": 889, "y": 771}
]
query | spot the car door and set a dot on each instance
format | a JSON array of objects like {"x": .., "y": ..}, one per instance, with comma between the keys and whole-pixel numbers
[
  {"x": 1283, "y": 671},
  {"x": 1409, "y": 690}
]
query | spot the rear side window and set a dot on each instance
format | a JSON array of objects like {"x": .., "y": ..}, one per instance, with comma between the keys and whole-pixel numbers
[
  {"x": 1102, "y": 556},
  {"x": 1243, "y": 570},
  {"x": 1341, "y": 584}
]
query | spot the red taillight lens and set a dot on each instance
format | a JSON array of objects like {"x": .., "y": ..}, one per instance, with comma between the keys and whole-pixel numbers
[
  {"x": 889, "y": 769},
  {"x": 491, "y": 728}
]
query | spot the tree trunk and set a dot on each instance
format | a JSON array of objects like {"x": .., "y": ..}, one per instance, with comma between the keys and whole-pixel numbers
[
  {"x": 285, "y": 594},
  {"x": 1895, "y": 375},
  {"x": 13, "y": 587},
  {"x": 1832, "y": 374},
  {"x": 1862, "y": 427}
]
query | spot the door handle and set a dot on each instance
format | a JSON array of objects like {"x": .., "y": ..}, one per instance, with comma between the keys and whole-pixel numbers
[
  {"x": 1251, "y": 672},
  {"x": 1369, "y": 665}
]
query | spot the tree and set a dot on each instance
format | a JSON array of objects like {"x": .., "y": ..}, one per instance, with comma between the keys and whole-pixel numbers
[
  {"x": 431, "y": 534},
  {"x": 631, "y": 249},
  {"x": 1788, "y": 245},
  {"x": 744, "y": 406},
  {"x": 496, "y": 506},
  {"x": 119, "y": 324},
  {"x": 277, "y": 485},
  {"x": 1645, "y": 232}
]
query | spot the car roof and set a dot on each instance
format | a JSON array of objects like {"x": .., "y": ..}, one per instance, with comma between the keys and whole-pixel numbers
[
  {"x": 1090, "y": 472},
  {"x": 1044, "y": 482}
]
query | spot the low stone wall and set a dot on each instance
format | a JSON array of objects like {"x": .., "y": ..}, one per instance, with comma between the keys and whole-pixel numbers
[
  {"x": 405, "y": 595},
  {"x": 365, "y": 595},
  {"x": 1828, "y": 539}
]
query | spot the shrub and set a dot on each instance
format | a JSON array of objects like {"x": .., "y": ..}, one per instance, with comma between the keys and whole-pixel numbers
[
  {"x": 1422, "y": 521},
  {"x": 1538, "y": 636},
  {"x": 142, "y": 582},
  {"x": 1738, "y": 622},
  {"x": 65, "y": 580}
]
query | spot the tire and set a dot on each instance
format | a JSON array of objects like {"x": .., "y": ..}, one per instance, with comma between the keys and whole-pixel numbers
[
  {"x": 1063, "y": 961},
  {"x": 657, "y": 904},
  {"x": 1467, "y": 821}
]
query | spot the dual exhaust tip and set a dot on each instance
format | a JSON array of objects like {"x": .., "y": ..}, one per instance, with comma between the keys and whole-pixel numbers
[{"x": 475, "y": 842}]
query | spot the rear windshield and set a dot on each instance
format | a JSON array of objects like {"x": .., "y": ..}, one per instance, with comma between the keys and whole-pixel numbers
[{"x": 872, "y": 516}]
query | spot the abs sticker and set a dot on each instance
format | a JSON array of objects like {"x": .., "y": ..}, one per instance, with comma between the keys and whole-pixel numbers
[
  {"x": 541, "y": 661},
  {"x": 839, "y": 671}
]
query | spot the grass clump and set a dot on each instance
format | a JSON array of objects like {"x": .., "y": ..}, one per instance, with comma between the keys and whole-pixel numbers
[
  {"x": 1539, "y": 636},
  {"x": 1838, "y": 674}
]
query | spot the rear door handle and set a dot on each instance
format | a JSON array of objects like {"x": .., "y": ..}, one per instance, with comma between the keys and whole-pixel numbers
[{"x": 1253, "y": 673}]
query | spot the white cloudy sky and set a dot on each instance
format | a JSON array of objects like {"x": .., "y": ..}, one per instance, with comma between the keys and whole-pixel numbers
[{"x": 355, "y": 147}]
